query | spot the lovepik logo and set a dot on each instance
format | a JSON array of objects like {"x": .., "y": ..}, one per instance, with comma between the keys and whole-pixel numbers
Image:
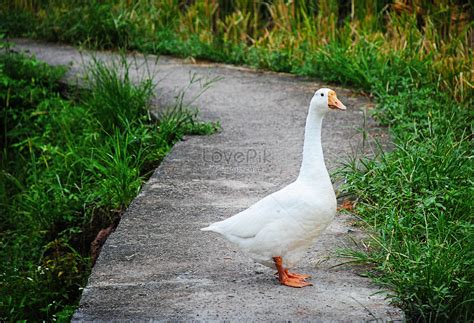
[{"x": 240, "y": 157}]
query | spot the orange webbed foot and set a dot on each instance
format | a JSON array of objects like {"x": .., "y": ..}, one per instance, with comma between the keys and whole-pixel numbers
[
  {"x": 295, "y": 282},
  {"x": 297, "y": 276},
  {"x": 290, "y": 279}
]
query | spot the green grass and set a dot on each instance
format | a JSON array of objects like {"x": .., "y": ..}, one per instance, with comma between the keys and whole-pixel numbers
[
  {"x": 417, "y": 201},
  {"x": 415, "y": 58},
  {"x": 71, "y": 161}
]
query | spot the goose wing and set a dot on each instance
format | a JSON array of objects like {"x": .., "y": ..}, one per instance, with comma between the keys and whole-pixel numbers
[{"x": 248, "y": 223}]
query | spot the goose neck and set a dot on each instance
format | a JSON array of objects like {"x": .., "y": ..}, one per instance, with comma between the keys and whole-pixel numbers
[{"x": 313, "y": 167}]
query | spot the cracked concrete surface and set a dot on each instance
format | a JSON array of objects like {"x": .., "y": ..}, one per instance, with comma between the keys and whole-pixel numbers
[{"x": 158, "y": 265}]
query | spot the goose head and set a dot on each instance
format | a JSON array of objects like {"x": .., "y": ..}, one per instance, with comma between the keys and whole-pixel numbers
[{"x": 324, "y": 100}]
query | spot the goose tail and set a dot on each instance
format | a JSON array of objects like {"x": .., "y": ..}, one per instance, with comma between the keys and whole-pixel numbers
[{"x": 209, "y": 228}]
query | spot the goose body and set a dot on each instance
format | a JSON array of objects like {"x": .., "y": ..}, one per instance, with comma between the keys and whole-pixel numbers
[
  {"x": 280, "y": 228},
  {"x": 284, "y": 223}
]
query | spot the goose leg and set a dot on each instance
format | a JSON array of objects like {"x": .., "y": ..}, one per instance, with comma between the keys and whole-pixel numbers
[{"x": 286, "y": 279}]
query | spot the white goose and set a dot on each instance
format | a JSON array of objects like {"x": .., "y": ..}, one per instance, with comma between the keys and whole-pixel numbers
[{"x": 278, "y": 229}]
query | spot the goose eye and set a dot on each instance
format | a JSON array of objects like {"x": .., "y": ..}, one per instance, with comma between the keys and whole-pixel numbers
[{"x": 322, "y": 94}]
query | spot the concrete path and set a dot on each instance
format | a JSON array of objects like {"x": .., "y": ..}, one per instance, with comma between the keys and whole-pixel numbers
[{"x": 158, "y": 265}]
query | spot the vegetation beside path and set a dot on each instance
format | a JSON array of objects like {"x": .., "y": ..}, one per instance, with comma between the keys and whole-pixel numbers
[
  {"x": 72, "y": 160},
  {"x": 415, "y": 58}
]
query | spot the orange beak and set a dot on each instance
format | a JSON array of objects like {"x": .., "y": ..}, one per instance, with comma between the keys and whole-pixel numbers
[{"x": 334, "y": 102}]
